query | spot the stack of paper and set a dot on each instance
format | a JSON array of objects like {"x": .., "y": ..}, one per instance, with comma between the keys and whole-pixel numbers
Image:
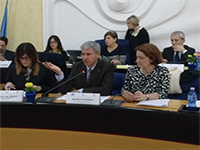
[{"x": 156, "y": 103}]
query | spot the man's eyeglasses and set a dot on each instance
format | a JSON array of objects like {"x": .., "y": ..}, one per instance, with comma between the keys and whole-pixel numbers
[{"x": 24, "y": 58}]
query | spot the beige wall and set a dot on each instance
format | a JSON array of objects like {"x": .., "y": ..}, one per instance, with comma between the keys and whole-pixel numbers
[{"x": 25, "y": 22}]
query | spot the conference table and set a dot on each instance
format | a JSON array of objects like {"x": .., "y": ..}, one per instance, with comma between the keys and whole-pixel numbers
[{"x": 137, "y": 123}]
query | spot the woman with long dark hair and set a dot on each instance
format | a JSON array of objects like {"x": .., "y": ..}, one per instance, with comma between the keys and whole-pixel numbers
[{"x": 27, "y": 68}]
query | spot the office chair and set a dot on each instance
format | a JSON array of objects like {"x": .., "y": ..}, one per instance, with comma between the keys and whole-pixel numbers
[
  {"x": 118, "y": 82},
  {"x": 56, "y": 59}
]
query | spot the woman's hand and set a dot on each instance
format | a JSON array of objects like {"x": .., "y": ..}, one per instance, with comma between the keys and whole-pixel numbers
[
  {"x": 129, "y": 97},
  {"x": 38, "y": 88},
  {"x": 115, "y": 62},
  {"x": 9, "y": 86},
  {"x": 139, "y": 96},
  {"x": 52, "y": 67}
]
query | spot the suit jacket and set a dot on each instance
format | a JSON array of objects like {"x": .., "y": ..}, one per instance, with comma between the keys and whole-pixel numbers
[
  {"x": 9, "y": 55},
  {"x": 168, "y": 53},
  {"x": 45, "y": 78},
  {"x": 101, "y": 78}
]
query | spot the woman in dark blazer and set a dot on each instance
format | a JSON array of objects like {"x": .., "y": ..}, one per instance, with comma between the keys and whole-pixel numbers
[
  {"x": 136, "y": 34},
  {"x": 27, "y": 68}
]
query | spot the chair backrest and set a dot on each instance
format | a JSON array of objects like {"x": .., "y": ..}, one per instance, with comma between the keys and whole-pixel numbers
[
  {"x": 56, "y": 59},
  {"x": 118, "y": 82},
  {"x": 123, "y": 42}
]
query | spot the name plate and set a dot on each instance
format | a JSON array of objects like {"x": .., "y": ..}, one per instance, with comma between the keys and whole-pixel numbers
[
  {"x": 83, "y": 98},
  {"x": 5, "y": 64},
  {"x": 11, "y": 96}
]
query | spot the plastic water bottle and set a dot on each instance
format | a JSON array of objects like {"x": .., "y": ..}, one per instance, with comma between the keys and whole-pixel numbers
[
  {"x": 192, "y": 98},
  {"x": 198, "y": 63}
]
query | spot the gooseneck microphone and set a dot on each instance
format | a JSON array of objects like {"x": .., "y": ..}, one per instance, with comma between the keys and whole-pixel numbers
[
  {"x": 112, "y": 102},
  {"x": 46, "y": 99}
]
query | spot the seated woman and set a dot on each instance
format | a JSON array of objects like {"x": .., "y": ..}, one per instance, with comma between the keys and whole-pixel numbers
[
  {"x": 112, "y": 51},
  {"x": 147, "y": 80},
  {"x": 54, "y": 45},
  {"x": 27, "y": 68}
]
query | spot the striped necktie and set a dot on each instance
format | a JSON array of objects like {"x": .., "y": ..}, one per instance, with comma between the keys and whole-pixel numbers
[{"x": 89, "y": 75}]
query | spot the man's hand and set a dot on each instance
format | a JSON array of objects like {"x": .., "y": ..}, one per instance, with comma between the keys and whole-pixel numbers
[
  {"x": 178, "y": 48},
  {"x": 165, "y": 61}
]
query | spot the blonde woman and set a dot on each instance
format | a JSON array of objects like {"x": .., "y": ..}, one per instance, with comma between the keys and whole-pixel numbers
[{"x": 136, "y": 34}]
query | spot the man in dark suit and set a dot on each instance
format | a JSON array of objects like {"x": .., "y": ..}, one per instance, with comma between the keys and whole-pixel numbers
[
  {"x": 98, "y": 76},
  {"x": 4, "y": 53},
  {"x": 178, "y": 52}
]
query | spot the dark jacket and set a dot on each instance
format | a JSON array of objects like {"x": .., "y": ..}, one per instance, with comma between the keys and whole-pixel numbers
[
  {"x": 168, "y": 53},
  {"x": 101, "y": 79},
  {"x": 9, "y": 55},
  {"x": 45, "y": 78}
]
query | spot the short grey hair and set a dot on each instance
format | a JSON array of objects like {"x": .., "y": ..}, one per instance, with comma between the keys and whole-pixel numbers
[
  {"x": 180, "y": 33},
  {"x": 91, "y": 44}
]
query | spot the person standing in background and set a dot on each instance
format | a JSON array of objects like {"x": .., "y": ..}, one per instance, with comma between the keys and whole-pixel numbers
[
  {"x": 4, "y": 53},
  {"x": 178, "y": 52},
  {"x": 136, "y": 34}
]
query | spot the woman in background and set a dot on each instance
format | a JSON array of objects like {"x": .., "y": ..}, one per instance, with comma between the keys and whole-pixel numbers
[
  {"x": 147, "y": 80},
  {"x": 54, "y": 45},
  {"x": 27, "y": 68},
  {"x": 136, "y": 34},
  {"x": 112, "y": 51}
]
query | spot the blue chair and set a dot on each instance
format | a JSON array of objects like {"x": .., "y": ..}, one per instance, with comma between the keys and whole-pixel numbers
[
  {"x": 123, "y": 42},
  {"x": 118, "y": 83},
  {"x": 56, "y": 59},
  {"x": 185, "y": 86}
]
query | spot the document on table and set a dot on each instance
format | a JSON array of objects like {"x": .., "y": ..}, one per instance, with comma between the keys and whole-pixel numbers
[
  {"x": 156, "y": 103},
  {"x": 198, "y": 103}
]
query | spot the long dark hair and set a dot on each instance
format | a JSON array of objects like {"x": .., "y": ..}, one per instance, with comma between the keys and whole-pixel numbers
[
  {"x": 56, "y": 38},
  {"x": 28, "y": 49}
]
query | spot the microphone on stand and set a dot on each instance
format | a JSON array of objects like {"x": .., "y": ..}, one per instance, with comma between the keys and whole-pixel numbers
[
  {"x": 112, "y": 102},
  {"x": 46, "y": 99}
]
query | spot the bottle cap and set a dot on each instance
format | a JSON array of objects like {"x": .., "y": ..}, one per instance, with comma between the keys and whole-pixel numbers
[{"x": 192, "y": 88}]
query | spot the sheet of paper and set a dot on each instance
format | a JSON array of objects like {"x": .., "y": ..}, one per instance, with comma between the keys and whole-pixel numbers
[
  {"x": 63, "y": 97},
  {"x": 103, "y": 98},
  {"x": 123, "y": 66},
  {"x": 5, "y": 64},
  {"x": 156, "y": 103},
  {"x": 198, "y": 103}
]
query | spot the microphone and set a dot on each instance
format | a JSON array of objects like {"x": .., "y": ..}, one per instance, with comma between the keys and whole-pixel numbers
[
  {"x": 46, "y": 99},
  {"x": 112, "y": 102}
]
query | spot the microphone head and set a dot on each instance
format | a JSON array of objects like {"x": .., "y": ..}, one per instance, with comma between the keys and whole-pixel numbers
[{"x": 83, "y": 71}]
